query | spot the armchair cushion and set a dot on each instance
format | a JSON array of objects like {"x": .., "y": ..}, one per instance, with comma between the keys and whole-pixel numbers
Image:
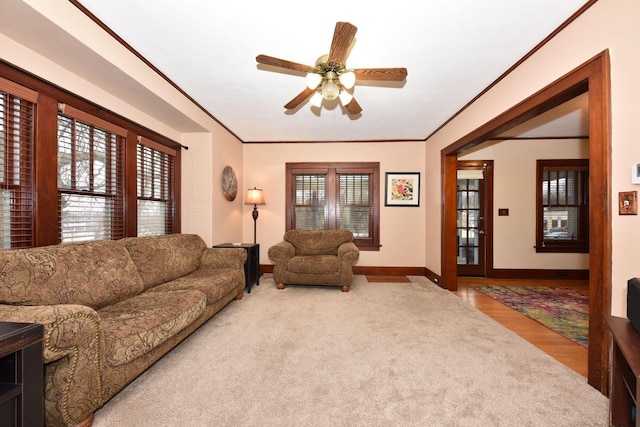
[{"x": 313, "y": 264}]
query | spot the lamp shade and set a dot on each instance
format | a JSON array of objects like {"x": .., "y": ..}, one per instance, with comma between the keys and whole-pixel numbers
[{"x": 255, "y": 197}]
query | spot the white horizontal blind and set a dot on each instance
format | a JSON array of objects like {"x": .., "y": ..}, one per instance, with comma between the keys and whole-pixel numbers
[
  {"x": 354, "y": 204},
  {"x": 310, "y": 209},
  {"x": 16, "y": 168},
  {"x": 156, "y": 193},
  {"x": 90, "y": 181}
]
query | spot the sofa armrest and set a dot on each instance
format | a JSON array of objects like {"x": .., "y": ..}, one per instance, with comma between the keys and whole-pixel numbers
[
  {"x": 214, "y": 258},
  {"x": 71, "y": 344},
  {"x": 281, "y": 252},
  {"x": 348, "y": 253},
  {"x": 65, "y": 326}
]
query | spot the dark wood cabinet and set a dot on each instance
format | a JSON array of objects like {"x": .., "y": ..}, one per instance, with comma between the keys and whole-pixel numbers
[
  {"x": 21, "y": 374},
  {"x": 252, "y": 266},
  {"x": 625, "y": 372}
]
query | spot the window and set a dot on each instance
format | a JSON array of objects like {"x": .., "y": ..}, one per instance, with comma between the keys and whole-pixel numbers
[
  {"x": 562, "y": 206},
  {"x": 16, "y": 162},
  {"x": 335, "y": 196},
  {"x": 90, "y": 177},
  {"x": 82, "y": 158},
  {"x": 156, "y": 168}
]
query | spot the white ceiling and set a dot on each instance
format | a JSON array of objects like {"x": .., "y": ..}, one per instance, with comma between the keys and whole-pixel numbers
[{"x": 452, "y": 51}]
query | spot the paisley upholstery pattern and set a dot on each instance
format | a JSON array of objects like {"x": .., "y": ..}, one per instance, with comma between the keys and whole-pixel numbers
[
  {"x": 213, "y": 287},
  {"x": 164, "y": 258},
  {"x": 101, "y": 328},
  {"x": 94, "y": 274},
  {"x": 138, "y": 325}
]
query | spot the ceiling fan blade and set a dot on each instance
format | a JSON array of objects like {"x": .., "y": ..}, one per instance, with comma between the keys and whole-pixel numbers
[
  {"x": 387, "y": 74},
  {"x": 300, "y": 98},
  {"x": 353, "y": 107},
  {"x": 282, "y": 63},
  {"x": 342, "y": 38}
]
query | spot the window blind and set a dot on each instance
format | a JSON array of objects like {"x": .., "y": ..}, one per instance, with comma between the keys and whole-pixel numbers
[
  {"x": 156, "y": 193},
  {"x": 16, "y": 165},
  {"x": 310, "y": 210},
  {"x": 354, "y": 204},
  {"x": 90, "y": 178}
]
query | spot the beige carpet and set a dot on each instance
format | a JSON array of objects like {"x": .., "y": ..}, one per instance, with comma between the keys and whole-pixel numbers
[{"x": 380, "y": 355}]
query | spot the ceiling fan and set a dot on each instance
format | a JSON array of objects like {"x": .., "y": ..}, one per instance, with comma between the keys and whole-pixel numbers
[{"x": 330, "y": 78}]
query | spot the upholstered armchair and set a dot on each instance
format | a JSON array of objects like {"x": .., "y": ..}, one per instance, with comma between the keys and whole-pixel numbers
[{"x": 314, "y": 257}]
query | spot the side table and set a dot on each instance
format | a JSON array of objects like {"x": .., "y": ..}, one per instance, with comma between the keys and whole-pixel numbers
[
  {"x": 252, "y": 265},
  {"x": 21, "y": 374}
]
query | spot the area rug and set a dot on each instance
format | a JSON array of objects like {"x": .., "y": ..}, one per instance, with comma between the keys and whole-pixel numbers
[
  {"x": 412, "y": 355},
  {"x": 562, "y": 309},
  {"x": 388, "y": 279}
]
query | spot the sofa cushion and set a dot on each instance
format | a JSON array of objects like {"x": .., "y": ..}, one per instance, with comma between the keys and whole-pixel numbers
[
  {"x": 137, "y": 325},
  {"x": 317, "y": 242},
  {"x": 161, "y": 259},
  {"x": 324, "y": 264},
  {"x": 213, "y": 283},
  {"x": 95, "y": 274}
]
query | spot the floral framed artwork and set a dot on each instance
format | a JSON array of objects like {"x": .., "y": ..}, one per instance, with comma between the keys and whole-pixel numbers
[{"x": 402, "y": 189}]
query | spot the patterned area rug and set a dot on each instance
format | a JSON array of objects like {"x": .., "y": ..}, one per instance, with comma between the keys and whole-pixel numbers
[
  {"x": 388, "y": 279},
  {"x": 564, "y": 310}
]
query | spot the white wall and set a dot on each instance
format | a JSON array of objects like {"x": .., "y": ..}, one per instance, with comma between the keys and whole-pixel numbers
[
  {"x": 515, "y": 188},
  {"x": 204, "y": 210},
  {"x": 608, "y": 24},
  {"x": 401, "y": 228}
]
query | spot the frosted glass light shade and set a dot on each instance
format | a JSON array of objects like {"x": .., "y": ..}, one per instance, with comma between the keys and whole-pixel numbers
[
  {"x": 348, "y": 79},
  {"x": 313, "y": 80},
  {"x": 345, "y": 97},
  {"x": 316, "y": 99}
]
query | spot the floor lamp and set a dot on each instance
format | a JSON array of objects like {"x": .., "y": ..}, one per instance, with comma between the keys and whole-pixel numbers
[{"x": 255, "y": 197}]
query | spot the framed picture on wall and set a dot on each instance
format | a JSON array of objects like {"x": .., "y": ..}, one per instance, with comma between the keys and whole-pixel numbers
[{"x": 402, "y": 189}]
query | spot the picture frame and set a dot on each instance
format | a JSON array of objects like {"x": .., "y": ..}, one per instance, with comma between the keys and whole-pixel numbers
[{"x": 402, "y": 189}]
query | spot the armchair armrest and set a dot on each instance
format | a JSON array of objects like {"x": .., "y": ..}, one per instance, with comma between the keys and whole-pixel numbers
[
  {"x": 348, "y": 253},
  {"x": 214, "y": 258},
  {"x": 281, "y": 251}
]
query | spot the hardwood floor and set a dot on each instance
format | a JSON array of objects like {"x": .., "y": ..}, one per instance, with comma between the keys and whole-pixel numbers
[{"x": 562, "y": 349}]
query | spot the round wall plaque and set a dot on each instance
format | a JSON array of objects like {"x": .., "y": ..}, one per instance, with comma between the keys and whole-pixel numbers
[{"x": 229, "y": 183}]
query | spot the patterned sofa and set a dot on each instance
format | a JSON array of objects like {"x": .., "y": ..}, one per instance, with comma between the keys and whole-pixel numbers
[{"x": 110, "y": 309}]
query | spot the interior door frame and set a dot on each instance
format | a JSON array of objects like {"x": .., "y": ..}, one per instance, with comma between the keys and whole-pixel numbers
[{"x": 592, "y": 77}]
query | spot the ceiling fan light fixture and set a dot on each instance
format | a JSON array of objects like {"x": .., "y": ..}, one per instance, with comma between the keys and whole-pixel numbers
[
  {"x": 316, "y": 99},
  {"x": 347, "y": 79},
  {"x": 312, "y": 80},
  {"x": 345, "y": 97},
  {"x": 330, "y": 90}
]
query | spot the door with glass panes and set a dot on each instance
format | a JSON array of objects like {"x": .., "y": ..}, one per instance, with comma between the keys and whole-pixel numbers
[{"x": 472, "y": 218}]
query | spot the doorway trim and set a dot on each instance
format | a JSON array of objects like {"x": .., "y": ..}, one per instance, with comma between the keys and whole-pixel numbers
[{"x": 592, "y": 77}]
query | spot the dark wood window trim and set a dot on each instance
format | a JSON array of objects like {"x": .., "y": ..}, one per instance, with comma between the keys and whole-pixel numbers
[
  {"x": 332, "y": 174},
  {"x": 49, "y": 96},
  {"x": 573, "y": 196}
]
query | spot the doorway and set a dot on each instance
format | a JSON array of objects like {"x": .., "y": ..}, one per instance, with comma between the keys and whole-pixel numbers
[
  {"x": 592, "y": 77},
  {"x": 474, "y": 217}
]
